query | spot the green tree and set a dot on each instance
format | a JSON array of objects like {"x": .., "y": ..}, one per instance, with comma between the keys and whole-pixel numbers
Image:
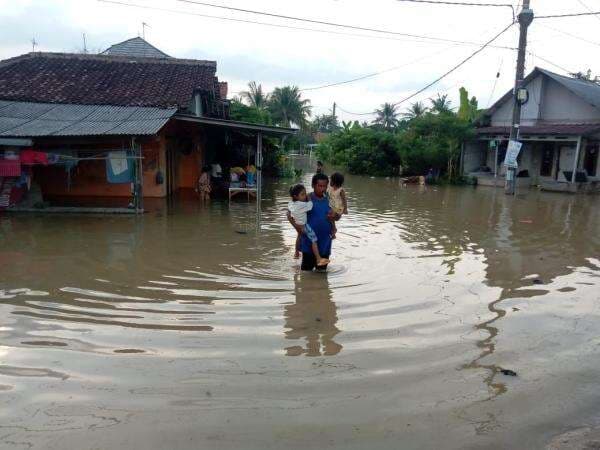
[
  {"x": 325, "y": 123},
  {"x": 417, "y": 109},
  {"x": 287, "y": 106},
  {"x": 244, "y": 113},
  {"x": 255, "y": 96},
  {"x": 369, "y": 151},
  {"x": 468, "y": 109},
  {"x": 441, "y": 104},
  {"x": 434, "y": 141},
  {"x": 386, "y": 116}
]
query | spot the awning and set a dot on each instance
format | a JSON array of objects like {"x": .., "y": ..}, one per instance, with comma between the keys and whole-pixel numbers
[
  {"x": 26, "y": 119},
  {"x": 239, "y": 126}
]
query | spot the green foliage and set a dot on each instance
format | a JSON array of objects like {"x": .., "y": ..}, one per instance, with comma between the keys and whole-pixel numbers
[
  {"x": 255, "y": 96},
  {"x": 386, "y": 116},
  {"x": 325, "y": 123},
  {"x": 287, "y": 106},
  {"x": 362, "y": 151},
  {"x": 441, "y": 105},
  {"x": 468, "y": 110},
  {"x": 417, "y": 109},
  {"x": 433, "y": 142},
  {"x": 243, "y": 113}
]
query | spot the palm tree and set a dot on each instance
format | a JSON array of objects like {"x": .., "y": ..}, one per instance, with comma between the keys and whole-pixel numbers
[
  {"x": 387, "y": 117},
  {"x": 417, "y": 109},
  {"x": 288, "y": 107},
  {"x": 441, "y": 104},
  {"x": 255, "y": 95}
]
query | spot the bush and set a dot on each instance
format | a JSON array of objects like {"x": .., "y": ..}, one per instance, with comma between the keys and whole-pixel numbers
[{"x": 364, "y": 151}]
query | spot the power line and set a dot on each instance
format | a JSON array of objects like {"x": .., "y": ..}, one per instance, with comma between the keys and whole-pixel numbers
[
  {"x": 453, "y": 69},
  {"x": 495, "y": 83},
  {"x": 420, "y": 38},
  {"x": 535, "y": 55},
  {"x": 448, "y": 3},
  {"x": 587, "y": 7},
  {"x": 374, "y": 74},
  {"x": 579, "y": 38},
  {"x": 558, "y": 16},
  {"x": 319, "y": 22}
]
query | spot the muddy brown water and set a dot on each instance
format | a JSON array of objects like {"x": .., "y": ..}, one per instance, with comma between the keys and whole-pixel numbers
[{"x": 188, "y": 329}]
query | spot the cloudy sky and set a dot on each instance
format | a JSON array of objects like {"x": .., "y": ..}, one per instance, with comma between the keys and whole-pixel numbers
[{"x": 316, "y": 54}]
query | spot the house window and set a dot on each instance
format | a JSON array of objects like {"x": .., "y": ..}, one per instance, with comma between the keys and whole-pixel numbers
[
  {"x": 590, "y": 162},
  {"x": 547, "y": 161}
]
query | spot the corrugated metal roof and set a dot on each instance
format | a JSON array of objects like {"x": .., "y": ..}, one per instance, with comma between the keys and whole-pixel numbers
[
  {"x": 24, "y": 119},
  {"x": 137, "y": 47}
]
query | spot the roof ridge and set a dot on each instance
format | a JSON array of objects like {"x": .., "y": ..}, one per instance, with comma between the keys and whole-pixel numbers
[
  {"x": 108, "y": 58},
  {"x": 123, "y": 43}
]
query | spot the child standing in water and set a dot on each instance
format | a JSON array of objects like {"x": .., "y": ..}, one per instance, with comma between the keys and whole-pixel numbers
[
  {"x": 337, "y": 198},
  {"x": 298, "y": 208},
  {"x": 204, "y": 184}
]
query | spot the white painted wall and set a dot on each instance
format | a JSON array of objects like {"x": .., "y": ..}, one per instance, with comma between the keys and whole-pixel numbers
[
  {"x": 561, "y": 105},
  {"x": 529, "y": 112},
  {"x": 550, "y": 102}
]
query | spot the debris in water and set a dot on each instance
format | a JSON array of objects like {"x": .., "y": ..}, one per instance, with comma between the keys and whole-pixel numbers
[
  {"x": 537, "y": 281},
  {"x": 508, "y": 372}
]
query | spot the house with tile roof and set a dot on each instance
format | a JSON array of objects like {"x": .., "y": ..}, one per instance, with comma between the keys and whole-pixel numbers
[
  {"x": 168, "y": 115},
  {"x": 560, "y": 132}
]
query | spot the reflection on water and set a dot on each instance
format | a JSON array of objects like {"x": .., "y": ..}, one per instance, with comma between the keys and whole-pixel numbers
[
  {"x": 200, "y": 311},
  {"x": 312, "y": 317}
]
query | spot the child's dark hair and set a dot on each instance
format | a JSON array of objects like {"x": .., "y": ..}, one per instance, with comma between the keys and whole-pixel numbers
[
  {"x": 337, "y": 179},
  {"x": 296, "y": 189},
  {"x": 206, "y": 168}
]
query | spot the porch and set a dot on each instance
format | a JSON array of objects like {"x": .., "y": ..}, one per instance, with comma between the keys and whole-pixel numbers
[{"x": 548, "y": 161}]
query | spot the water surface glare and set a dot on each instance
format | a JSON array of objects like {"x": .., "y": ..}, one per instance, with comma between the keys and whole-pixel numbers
[{"x": 188, "y": 328}]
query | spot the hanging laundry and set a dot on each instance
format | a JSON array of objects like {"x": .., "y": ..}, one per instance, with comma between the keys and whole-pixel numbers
[
  {"x": 30, "y": 157},
  {"x": 53, "y": 158},
  {"x": 10, "y": 168},
  {"x": 118, "y": 168}
]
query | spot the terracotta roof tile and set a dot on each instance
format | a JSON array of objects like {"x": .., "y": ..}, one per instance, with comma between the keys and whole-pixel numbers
[{"x": 105, "y": 80}]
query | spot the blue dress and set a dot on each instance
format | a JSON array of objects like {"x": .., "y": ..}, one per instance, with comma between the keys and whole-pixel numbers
[{"x": 318, "y": 221}]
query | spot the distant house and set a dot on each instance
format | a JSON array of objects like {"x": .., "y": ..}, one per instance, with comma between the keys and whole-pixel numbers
[
  {"x": 560, "y": 130},
  {"x": 168, "y": 116}
]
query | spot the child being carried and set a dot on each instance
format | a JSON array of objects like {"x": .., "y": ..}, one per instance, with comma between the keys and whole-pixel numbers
[{"x": 298, "y": 208}]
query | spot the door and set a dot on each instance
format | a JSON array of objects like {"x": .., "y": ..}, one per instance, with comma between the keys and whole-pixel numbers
[
  {"x": 547, "y": 160},
  {"x": 590, "y": 162}
]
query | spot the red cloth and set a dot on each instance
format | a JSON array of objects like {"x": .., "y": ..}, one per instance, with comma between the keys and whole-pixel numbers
[
  {"x": 10, "y": 168},
  {"x": 30, "y": 157}
]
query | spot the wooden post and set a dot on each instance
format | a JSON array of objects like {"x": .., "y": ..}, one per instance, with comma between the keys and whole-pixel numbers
[
  {"x": 496, "y": 162},
  {"x": 576, "y": 162},
  {"x": 259, "y": 158}
]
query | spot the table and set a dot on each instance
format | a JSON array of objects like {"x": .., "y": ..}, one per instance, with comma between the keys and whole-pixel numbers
[{"x": 250, "y": 191}]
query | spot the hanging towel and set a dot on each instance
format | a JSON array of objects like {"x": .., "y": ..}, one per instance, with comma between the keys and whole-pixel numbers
[
  {"x": 30, "y": 157},
  {"x": 118, "y": 168}
]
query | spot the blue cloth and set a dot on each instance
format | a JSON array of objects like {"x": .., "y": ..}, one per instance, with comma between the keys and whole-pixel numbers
[
  {"x": 119, "y": 161},
  {"x": 310, "y": 233},
  {"x": 317, "y": 220}
]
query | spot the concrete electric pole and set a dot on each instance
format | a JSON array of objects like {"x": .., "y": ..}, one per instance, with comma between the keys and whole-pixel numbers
[{"x": 525, "y": 18}]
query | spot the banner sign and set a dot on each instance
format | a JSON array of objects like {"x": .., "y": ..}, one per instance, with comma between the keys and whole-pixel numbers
[{"x": 512, "y": 152}]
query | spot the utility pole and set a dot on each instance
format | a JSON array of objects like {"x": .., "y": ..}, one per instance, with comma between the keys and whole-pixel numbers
[
  {"x": 525, "y": 18},
  {"x": 334, "y": 106}
]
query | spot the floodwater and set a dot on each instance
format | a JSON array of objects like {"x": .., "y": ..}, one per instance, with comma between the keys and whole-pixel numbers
[{"x": 189, "y": 329}]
